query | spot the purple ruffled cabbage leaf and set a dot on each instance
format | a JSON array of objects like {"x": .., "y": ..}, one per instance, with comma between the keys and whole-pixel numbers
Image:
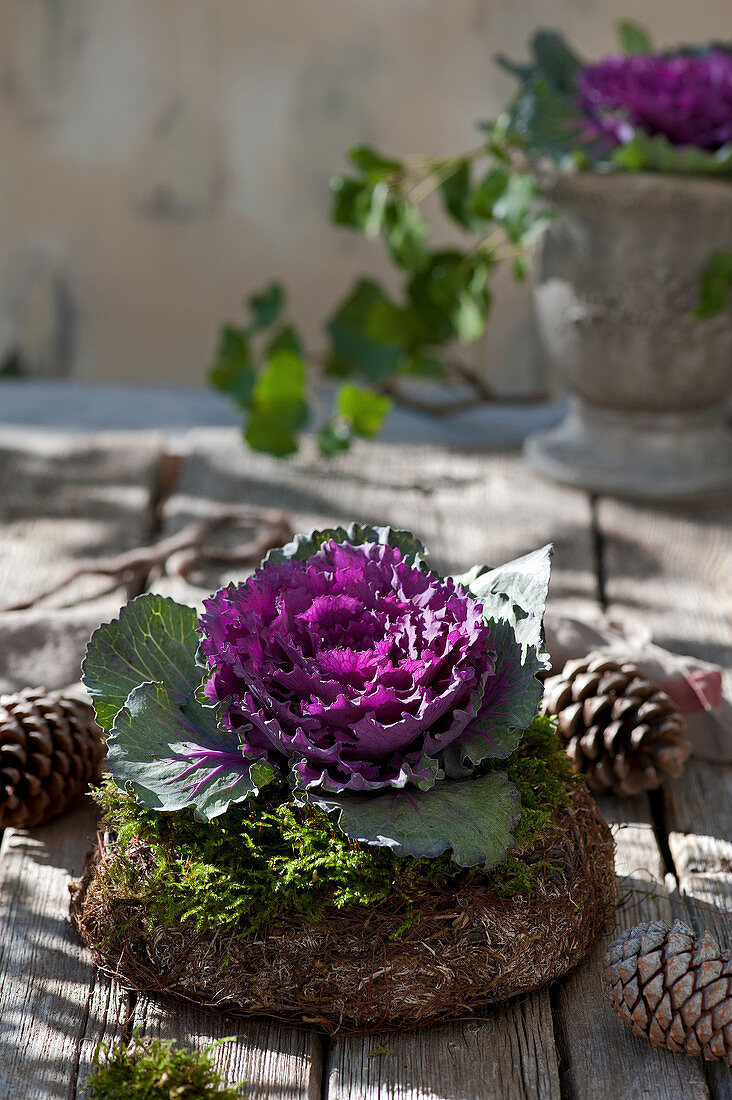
[
  {"x": 352, "y": 669},
  {"x": 344, "y": 664}
]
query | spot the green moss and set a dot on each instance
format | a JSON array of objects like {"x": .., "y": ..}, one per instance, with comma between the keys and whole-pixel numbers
[
  {"x": 155, "y": 1070},
  {"x": 543, "y": 775},
  {"x": 267, "y": 855}
]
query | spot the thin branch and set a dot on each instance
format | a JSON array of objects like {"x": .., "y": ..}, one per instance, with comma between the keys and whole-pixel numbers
[{"x": 179, "y": 554}]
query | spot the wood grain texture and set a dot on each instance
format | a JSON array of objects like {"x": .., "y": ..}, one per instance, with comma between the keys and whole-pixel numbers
[
  {"x": 697, "y": 816},
  {"x": 46, "y": 976},
  {"x": 44, "y": 647},
  {"x": 673, "y": 568},
  {"x": 466, "y": 508},
  {"x": 65, "y": 498},
  {"x": 600, "y": 1056},
  {"x": 61, "y": 499},
  {"x": 507, "y": 1054},
  {"x": 697, "y": 811},
  {"x": 106, "y": 1019}
]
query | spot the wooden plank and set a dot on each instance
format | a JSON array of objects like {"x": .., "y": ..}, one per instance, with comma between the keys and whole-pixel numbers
[
  {"x": 506, "y": 1054},
  {"x": 697, "y": 816},
  {"x": 55, "y": 1008},
  {"x": 46, "y": 976},
  {"x": 64, "y": 498},
  {"x": 467, "y": 508},
  {"x": 277, "y": 1063},
  {"x": 44, "y": 647},
  {"x": 600, "y": 1056},
  {"x": 673, "y": 568},
  {"x": 61, "y": 499},
  {"x": 107, "y": 1018}
]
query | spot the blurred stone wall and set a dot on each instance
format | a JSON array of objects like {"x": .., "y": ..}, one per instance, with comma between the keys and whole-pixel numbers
[{"x": 159, "y": 159}]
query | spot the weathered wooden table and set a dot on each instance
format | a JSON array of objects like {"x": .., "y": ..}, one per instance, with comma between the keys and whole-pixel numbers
[{"x": 66, "y": 497}]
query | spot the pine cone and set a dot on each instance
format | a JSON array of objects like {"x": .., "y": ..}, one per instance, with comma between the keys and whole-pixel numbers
[
  {"x": 621, "y": 731},
  {"x": 672, "y": 987},
  {"x": 50, "y": 752}
]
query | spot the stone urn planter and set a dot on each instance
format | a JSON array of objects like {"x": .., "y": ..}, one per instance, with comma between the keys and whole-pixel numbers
[{"x": 618, "y": 277}]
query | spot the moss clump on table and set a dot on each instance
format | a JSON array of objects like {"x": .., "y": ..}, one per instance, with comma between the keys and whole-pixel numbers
[
  {"x": 151, "y": 1069},
  {"x": 267, "y": 856}
]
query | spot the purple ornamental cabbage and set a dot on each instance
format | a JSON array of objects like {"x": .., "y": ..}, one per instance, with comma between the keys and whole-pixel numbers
[
  {"x": 685, "y": 97},
  {"x": 354, "y": 667},
  {"x": 376, "y": 687}
]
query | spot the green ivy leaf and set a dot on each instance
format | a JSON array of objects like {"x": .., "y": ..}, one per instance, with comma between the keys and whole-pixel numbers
[
  {"x": 536, "y": 227},
  {"x": 425, "y": 366},
  {"x": 266, "y": 433},
  {"x": 334, "y": 437},
  {"x": 387, "y": 323},
  {"x": 154, "y": 638},
  {"x": 547, "y": 121},
  {"x": 351, "y": 202},
  {"x": 487, "y": 192},
  {"x": 450, "y": 297},
  {"x": 474, "y": 817},
  {"x": 286, "y": 340},
  {"x": 174, "y": 755},
  {"x": 556, "y": 61},
  {"x": 353, "y": 346},
  {"x": 374, "y": 164},
  {"x": 513, "y": 210},
  {"x": 434, "y": 294},
  {"x": 523, "y": 73},
  {"x": 406, "y": 233},
  {"x": 716, "y": 286},
  {"x": 266, "y": 307},
  {"x": 363, "y": 408},
  {"x": 469, "y": 318},
  {"x": 634, "y": 39},
  {"x": 279, "y": 393},
  {"x": 375, "y": 219},
  {"x": 232, "y": 371},
  {"x": 456, "y": 194}
]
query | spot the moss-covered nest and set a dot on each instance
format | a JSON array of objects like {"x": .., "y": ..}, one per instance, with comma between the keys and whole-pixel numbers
[{"x": 271, "y": 911}]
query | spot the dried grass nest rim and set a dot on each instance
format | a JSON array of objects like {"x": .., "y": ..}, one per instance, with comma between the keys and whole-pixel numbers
[{"x": 465, "y": 950}]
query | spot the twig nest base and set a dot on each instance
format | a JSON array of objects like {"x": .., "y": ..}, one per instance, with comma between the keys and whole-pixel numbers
[{"x": 357, "y": 968}]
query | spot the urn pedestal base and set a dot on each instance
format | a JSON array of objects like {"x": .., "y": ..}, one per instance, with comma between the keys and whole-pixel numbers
[{"x": 641, "y": 455}]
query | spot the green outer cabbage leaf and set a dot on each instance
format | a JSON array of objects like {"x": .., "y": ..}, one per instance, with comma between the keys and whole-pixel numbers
[
  {"x": 303, "y": 547},
  {"x": 173, "y": 756},
  {"x": 154, "y": 639},
  {"x": 476, "y": 818}
]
